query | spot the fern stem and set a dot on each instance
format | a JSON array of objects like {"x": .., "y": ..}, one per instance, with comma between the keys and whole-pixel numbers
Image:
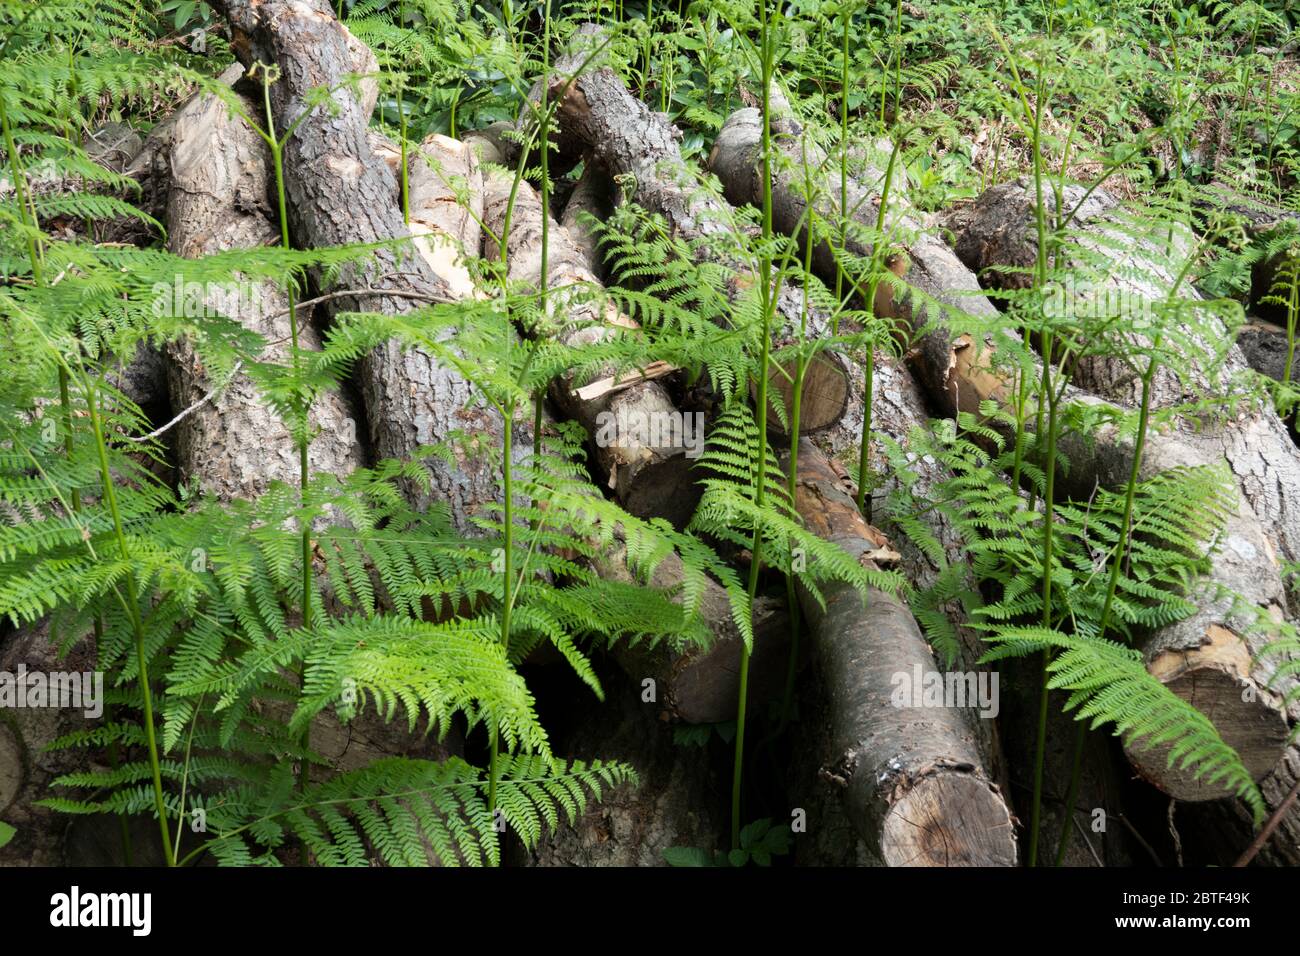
[
  {"x": 864, "y": 451},
  {"x": 796, "y": 413},
  {"x": 845, "y": 16},
  {"x": 544, "y": 136},
  {"x": 406, "y": 176},
  {"x": 1292, "y": 315},
  {"x": 649, "y": 39},
  {"x": 1049, "y": 509},
  {"x": 768, "y": 301},
  {"x": 873, "y": 283},
  {"x": 137, "y": 624},
  {"x": 300, "y": 427},
  {"x": 1112, "y": 584},
  {"x": 65, "y": 403},
  {"x": 21, "y": 197}
]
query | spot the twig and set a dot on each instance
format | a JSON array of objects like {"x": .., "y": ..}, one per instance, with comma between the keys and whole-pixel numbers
[
  {"x": 1155, "y": 857},
  {"x": 193, "y": 408},
  {"x": 1273, "y": 822},
  {"x": 1086, "y": 840},
  {"x": 342, "y": 293},
  {"x": 1173, "y": 832},
  {"x": 357, "y": 293}
]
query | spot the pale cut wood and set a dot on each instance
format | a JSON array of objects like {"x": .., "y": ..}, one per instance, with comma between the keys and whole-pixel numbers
[{"x": 649, "y": 477}]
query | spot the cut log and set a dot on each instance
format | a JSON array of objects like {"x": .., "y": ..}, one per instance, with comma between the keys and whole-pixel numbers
[
  {"x": 910, "y": 777},
  {"x": 1262, "y": 222},
  {"x": 899, "y": 407},
  {"x": 1098, "y": 837},
  {"x": 736, "y": 160},
  {"x": 639, "y": 148},
  {"x": 956, "y": 372},
  {"x": 234, "y": 445},
  {"x": 592, "y": 199},
  {"x": 1207, "y": 658},
  {"x": 1265, "y": 285},
  {"x": 1226, "y": 828},
  {"x": 151, "y": 164},
  {"x": 1264, "y": 347},
  {"x": 340, "y": 193},
  {"x": 700, "y": 685},
  {"x": 960, "y": 373},
  {"x": 27, "y": 768},
  {"x": 677, "y": 801},
  {"x": 448, "y": 232},
  {"x": 641, "y": 441}
]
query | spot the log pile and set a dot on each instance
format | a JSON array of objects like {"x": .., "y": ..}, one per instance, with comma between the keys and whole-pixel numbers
[{"x": 881, "y": 783}]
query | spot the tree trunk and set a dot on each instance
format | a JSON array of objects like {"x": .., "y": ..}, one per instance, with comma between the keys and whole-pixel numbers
[
  {"x": 898, "y": 408},
  {"x": 1265, "y": 348},
  {"x": 1226, "y": 828},
  {"x": 592, "y": 198},
  {"x": 442, "y": 172},
  {"x": 701, "y": 685},
  {"x": 234, "y": 444},
  {"x": 911, "y": 779},
  {"x": 951, "y": 369},
  {"x": 26, "y": 767},
  {"x": 340, "y": 193}
]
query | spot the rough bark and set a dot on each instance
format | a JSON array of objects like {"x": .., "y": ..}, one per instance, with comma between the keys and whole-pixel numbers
[
  {"x": 1264, "y": 347},
  {"x": 736, "y": 160},
  {"x": 1227, "y": 829},
  {"x": 648, "y": 469},
  {"x": 911, "y": 777},
  {"x": 898, "y": 408},
  {"x": 955, "y": 370},
  {"x": 960, "y": 372},
  {"x": 592, "y": 199},
  {"x": 220, "y": 200},
  {"x": 676, "y": 803},
  {"x": 700, "y": 685},
  {"x": 640, "y": 149},
  {"x": 150, "y": 165},
  {"x": 1207, "y": 658},
  {"x": 26, "y": 767},
  {"x": 340, "y": 193},
  {"x": 1097, "y": 838},
  {"x": 1262, "y": 222}
]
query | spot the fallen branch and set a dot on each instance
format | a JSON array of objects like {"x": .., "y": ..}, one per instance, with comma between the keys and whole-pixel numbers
[{"x": 911, "y": 780}]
